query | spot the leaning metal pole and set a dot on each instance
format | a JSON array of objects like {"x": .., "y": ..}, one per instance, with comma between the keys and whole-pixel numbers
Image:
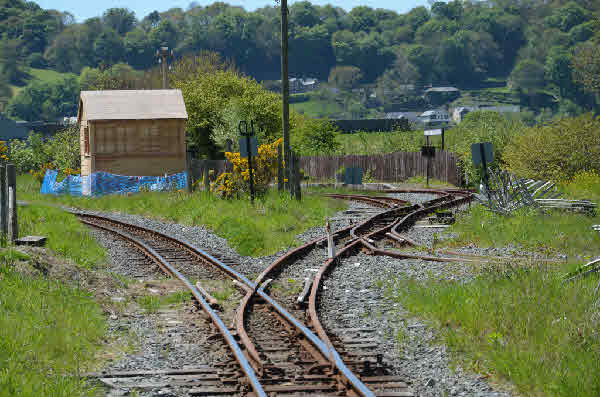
[{"x": 285, "y": 91}]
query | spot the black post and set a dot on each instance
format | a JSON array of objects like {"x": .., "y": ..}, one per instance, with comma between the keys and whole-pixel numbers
[
  {"x": 428, "y": 160},
  {"x": 443, "y": 138},
  {"x": 250, "y": 162},
  {"x": 484, "y": 164}
]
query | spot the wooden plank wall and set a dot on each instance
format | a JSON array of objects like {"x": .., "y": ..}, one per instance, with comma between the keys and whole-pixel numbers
[{"x": 392, "y": 167}]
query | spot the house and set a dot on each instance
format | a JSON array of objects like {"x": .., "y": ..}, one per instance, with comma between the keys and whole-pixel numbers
[
  {"x": 412, "y": 117},
  {"x": 299, "y": 85},
  {"x": 460, "y": 112},
  {"x": 135, "y": 133},
  {"x": 435, "y": 117}
]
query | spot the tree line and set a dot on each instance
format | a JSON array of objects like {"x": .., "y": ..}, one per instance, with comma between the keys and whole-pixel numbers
[{"x": 533, "y": 43}]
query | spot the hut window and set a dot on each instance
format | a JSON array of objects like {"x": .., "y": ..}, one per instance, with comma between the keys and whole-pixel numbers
[{"x": 86, "y": 140}]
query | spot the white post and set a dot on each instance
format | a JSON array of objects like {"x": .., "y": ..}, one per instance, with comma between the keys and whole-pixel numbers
[{"x": 330, "y": 244}]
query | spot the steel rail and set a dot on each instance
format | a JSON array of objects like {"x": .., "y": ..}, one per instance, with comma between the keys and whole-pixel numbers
[
  {"x": 378, "y": 201},
  {"x": 440, "y": 202},
  {"x": 169, "y": 269},
  {"x": 327, "y": 351}
]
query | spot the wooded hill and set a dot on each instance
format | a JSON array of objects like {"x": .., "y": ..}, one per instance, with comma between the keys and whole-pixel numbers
[{"x": 531, "y": 43}]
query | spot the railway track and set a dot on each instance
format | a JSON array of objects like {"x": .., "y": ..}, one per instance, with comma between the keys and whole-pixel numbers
[
  {"x": 306, "y": 366},
  {"x": 355, "y": 347}
]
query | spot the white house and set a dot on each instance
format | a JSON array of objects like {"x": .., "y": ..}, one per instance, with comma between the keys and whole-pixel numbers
[{"x": 435, "y": 117}]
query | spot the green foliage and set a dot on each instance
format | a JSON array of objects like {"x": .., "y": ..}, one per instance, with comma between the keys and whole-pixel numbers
[
  {"x": 66, "y": 235},
  {"x": 216, "y": 101},
  {"x": 557, "y": 150},
  {"x": 478, "y": 127},
  {"x": 380, "y": 142},
  {"x": 45, "y": 328},
  {"x": 313, "y": 136},
  {"x": 553, "y": 233},
  {"x": 529, "y": 328},
  {"x": 46, "y": 100},
  {"x": 62, "y": 151}
]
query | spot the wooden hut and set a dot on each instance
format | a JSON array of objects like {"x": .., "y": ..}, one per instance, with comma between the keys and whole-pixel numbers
[{"x": 131, "y": 132}]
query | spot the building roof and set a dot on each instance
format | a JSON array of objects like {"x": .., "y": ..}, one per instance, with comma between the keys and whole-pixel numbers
[
  {"x": 432, "y": 112},
  {"x": 442, "y": 89},
  {"x": 132, "y": 105}
]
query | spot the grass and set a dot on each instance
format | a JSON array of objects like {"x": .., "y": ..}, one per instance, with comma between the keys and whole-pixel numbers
[
  {"x": 317, "y": 108},
  {"x": 66, "y": 235},
  {"x": 552, "y": 233},
  {"x": 48, "y": 334},
  {"x": 263, "y": 229},
  {"x": 520, "y": 323},
  {"x": 43, "y": 75},
  {"x": 151, "y": 303},
  {"x": 380, "y": 142},
  {"x": 530, "y": 328}
]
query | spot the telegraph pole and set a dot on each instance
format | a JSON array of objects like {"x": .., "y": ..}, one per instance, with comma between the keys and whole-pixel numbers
[
  {"x": 285, "y": 90},
  {"x": 164, "y": 53}
]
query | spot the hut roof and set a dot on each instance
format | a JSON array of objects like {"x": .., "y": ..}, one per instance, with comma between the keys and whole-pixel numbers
[{"x": 132, "y": 105}]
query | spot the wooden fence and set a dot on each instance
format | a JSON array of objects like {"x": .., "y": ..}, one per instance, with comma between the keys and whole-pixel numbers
[{"x": 392, "y": 167}]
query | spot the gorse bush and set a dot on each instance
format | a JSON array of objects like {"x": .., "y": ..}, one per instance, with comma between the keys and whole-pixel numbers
[
  {"x": 264, "y": 169},
  {"x": 558, "y": 150}
]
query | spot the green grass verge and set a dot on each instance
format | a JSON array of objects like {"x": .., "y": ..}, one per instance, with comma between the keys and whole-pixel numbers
[
  {"x": 66, "y": 235},
  {"x": 317, "y": 108},
  {"x": 380, "y": 142},
  {"x": 263, "y": 229},
  {"x": 530, "y": 329},
  {"x": 48, "y": 333},
  {"x": 555, "y": 232}
]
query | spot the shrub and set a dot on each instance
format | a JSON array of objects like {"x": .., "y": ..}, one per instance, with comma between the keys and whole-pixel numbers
[
  {"x": 482, "y": 126},
  {"x": 264, "y": 168},
  {"x": 313, "y": 136},
  {"x": 28, "y": 156},
  {"x": 558, "y": 150}
]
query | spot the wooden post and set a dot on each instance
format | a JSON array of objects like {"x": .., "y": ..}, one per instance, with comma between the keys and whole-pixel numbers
[
  {"x": 330, "y": 244},
  {"x": 297, "y": 192},
  {"x": 279, "y": 169},
  {"x": 206, "y": 180},
  {"x": 13, "y": 225},
  {"x": 285, "y": 92},
  {"x": 190, "y": 176},
  {"x": 3, "y": 202}
]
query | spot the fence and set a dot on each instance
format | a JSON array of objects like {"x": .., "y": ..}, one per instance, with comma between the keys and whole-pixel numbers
[
  {"x": 392, "y": 167},
  {"x": 100, "y": 183},
  {"x": 9, "y": 226}
]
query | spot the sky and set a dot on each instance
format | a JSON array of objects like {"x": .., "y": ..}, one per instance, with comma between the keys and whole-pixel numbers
[{"x": 83, "y": 9}]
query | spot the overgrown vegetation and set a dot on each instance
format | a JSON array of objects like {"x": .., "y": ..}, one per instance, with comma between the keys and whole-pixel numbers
[
  {"x": 380, "y": 142},
  {"x": 272, "y": 224},
  {"x": 49, "y": 334},
  {"x": 66, "y": 235},
  {"x": 527, "y": 327},
  {"x": 557, "y": 150}
]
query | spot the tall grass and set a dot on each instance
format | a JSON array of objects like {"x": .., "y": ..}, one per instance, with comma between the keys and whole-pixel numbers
[
  {"x": 555, "y": 232},
  {"x": 529, "y": 328},
  {"x": 48, "y": 334},
  {"x": 66, "y": 235},
  {"x": 380, "y": 142},
  {"x": 265, "y": 228}
]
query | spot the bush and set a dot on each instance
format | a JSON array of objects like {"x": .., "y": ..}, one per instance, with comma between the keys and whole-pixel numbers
[
  {"x": 482, "y": 126},
  {"x": 558, "y": 150},
  {"x": 61, "y": 152},
  {"x": 264, "y": 169},
  {"x": 312, "y": 137}
]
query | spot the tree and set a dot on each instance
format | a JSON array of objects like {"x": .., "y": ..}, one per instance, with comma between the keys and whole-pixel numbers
[
  {"x": 558, "y": 71},
  {"x": 139, "y": 51},
  {"x": 303, "y": 13},
  {"x": 121, "y": 20},
  {"x": 108, "y": 48},
  {"x": 345, "y": 77},
  {"x": 528, "y": 76},
  {"x": 46, "y": 100},
  {"x": 586, "y": 67},
  {"x": 10, "y": 67}
]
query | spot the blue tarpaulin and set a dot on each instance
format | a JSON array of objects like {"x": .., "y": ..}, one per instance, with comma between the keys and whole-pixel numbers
[{"x": 100, "y": 183}]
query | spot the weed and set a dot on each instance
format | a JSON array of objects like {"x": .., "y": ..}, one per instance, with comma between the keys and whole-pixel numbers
[
  {"x": 150, "y": 303},
  {"x": 48, "y": 332}
]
